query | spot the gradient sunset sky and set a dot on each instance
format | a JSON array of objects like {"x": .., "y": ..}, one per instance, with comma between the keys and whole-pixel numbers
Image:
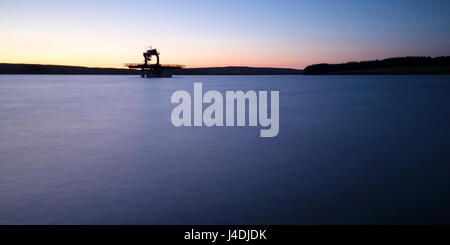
[{"x": 221, "y": 33}]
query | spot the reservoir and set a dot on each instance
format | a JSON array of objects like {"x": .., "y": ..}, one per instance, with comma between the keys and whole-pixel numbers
[{"x": 99, "y": 149}]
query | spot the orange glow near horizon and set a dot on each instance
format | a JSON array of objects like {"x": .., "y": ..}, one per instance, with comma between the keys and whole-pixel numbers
[
  {"x": 97, "y": 51},
  {"x": 101, "y": 51},
  {"x": 206, "y": 34}
]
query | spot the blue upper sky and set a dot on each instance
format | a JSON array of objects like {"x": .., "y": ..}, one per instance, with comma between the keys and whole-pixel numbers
[{"x": 219, "y": 33}]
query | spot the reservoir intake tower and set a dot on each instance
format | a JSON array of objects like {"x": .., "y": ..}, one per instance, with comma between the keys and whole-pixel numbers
[{"x": 153, "y": 70}]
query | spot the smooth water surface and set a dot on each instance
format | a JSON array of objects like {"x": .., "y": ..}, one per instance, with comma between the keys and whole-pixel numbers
[{"x": 81, "y": 149}]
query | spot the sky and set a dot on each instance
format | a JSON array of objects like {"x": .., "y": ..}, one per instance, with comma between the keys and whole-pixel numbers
[{"x": 221, "y": 33}]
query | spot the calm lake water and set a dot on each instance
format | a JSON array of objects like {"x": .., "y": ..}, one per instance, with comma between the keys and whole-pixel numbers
[{"x": 102, "y": 150}]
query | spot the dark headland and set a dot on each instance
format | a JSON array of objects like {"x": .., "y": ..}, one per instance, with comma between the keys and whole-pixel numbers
[
  {"x": 58, "y": 69},
  {"x": 391, "y": 66}
]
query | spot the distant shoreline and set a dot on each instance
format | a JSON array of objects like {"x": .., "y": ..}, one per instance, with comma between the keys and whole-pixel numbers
[
  {"x": 8, "y": 68},
  {"x": 391, "y": 66}
]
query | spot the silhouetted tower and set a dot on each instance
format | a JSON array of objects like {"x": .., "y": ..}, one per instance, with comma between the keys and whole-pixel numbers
[
  {"x": 148, "y": 55},
  {"x": 153, "y": 70}
]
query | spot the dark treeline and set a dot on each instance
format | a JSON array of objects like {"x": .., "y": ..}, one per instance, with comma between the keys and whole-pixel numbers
[{"x": 399, "y": 65}]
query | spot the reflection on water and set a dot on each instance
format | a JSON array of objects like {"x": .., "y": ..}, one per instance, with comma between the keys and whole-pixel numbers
[{"x": 102, "y": 150}]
